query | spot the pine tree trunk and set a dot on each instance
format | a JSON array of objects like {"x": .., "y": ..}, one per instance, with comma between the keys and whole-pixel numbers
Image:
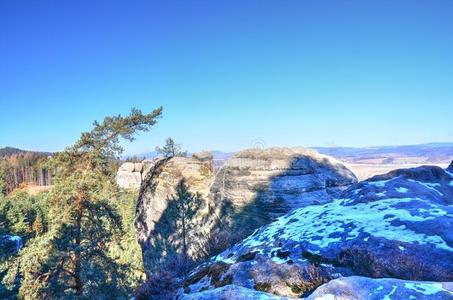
[{"x": 184, "y": 242}]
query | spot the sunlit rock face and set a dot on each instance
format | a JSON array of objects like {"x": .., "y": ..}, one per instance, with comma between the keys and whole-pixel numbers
[
  {"x": 358, "y": 288},
  {"x": 252, "y": 189},
  {"x": 130, "y": 175},
  {"x": 255, "y": 186},
  {"x": 393, "y": 225},
  {"x": 155, "y": 194}
]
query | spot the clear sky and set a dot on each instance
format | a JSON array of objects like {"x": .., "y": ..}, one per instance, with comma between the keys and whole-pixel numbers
[{"x": 228, "y": 73}]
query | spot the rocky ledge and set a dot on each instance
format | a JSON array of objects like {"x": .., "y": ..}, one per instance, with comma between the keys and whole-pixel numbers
[
  {"x": 252, "y": 189},
  {"x": 345, "y": 288},
  {"x": 396, "y": 225},
  {"x": 130, "y": 175}
]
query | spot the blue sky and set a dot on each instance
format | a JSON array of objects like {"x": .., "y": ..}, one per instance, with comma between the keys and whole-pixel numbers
[{"x": 228, "y": 73}]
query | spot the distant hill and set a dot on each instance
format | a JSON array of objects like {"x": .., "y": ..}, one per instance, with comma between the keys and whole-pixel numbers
[
  {"x": 433, "y": 153},
  {"x": 10, "y": 151}
]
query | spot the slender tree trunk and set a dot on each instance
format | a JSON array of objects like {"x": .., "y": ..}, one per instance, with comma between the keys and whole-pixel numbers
[{"x": 184, "y": 243}]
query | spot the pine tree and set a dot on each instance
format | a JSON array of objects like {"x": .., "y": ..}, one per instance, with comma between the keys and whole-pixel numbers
[
  {"x": 171, "y": 149},
  {"x": 71, "y": 260},
  {"x": 183, "y": 208}
]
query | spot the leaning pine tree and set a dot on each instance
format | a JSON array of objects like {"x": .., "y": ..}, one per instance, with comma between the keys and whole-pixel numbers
[{"x": 71, "y": 260}]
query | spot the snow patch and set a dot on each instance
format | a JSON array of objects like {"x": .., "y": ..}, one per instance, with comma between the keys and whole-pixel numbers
[
  {"x": 387, "y": 297},
  {"x": 278, "y": 260},
  {"x": 426, "y": 288},
  {"x": 17, "y": 240},
  {"x": 402, "y": 190},
  {"x": 321, "y": 225},
  {"x": 380, "y": 183},
  {"x": 325, "y": 297}
]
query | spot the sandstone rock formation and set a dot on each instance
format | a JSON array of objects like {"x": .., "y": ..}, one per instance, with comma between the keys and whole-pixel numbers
[
  {"x": 252, "y": 189},
  {"x": 255, "y": 186},
  {"x": 394, "y": 225},
  {"x": 130, "y": 175},
  {"x": 232, "y": 292},
  {"x": 205, "y": 156},
  {"x": 359, "y": 288},
  {"x": 156, "y": 190},
  {"x": 344, "y": 288}
]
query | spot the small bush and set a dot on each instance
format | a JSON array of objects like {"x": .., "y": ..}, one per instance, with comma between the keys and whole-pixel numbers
[{"x": 161, "y": 285}]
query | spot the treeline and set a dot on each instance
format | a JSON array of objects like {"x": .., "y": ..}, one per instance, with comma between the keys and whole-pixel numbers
[{"x": 21, "y": 167}]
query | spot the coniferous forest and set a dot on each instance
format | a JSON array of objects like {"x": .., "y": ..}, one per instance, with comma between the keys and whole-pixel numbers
[{"x": 76, "y": 240}]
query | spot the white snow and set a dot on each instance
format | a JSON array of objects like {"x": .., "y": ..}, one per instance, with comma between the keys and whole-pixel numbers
[
  {"x": 16, "y": 239},
  {"x": 278, "y": 260},
  {"x": 325, "y": 297},
  {"x": 426, "y": 288},
  {"x": 220, "y": 257},
  {"x": 402, "y": 190},
  {"x": 387, "y": 297},
  {"x": 380, "y": 183},
  {"x": 317, "y": 222}
]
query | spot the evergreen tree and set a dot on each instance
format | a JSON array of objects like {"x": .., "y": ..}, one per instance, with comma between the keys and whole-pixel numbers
[
  {"x": 183, "y": 207},
  {"x": 72, "y": 259},
  {"x": 171, "y": 149}
]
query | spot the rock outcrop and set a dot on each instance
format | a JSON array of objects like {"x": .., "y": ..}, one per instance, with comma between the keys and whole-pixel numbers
[
  {"x": 232, "y": 292},
  {"x": 10, "y": 244},
  {"x": 130, "y": 175},
  {"x": 360, "y": 288},
  {"x": 154, "y": 197},
  {"x": 395, "y": 225},
  {"x": 256, "y": 186},
  {"x": 344, "y": 288},
  {"x": 253, "y": 188}
]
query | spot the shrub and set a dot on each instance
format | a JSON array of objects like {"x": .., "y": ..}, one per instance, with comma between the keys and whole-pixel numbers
[{"x": 161, "y": 285}]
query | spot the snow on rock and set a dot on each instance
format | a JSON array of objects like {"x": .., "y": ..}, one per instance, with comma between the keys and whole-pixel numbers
[
  {"x": 11, "y": 243},
  {"x": 374, "y": 229},
  {"x": 363, "y": 288},
  {"x": 231, "y": 292},
  {"x": 252, "y": 189}
]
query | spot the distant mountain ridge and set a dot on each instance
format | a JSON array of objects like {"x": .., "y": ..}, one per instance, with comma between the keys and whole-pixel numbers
[
  {"x": 9, "y": 151},
  {"x": 422, "y": 153}
]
